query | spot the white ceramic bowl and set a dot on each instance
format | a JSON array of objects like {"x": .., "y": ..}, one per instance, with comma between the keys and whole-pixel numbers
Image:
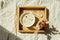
[{"x": 27, "y": 19}]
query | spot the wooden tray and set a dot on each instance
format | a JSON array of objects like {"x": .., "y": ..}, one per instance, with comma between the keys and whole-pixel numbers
[{"x": 36, "y": 10}]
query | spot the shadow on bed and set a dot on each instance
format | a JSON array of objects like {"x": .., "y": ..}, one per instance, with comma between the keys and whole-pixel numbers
[{"x": 6, "y": 35}]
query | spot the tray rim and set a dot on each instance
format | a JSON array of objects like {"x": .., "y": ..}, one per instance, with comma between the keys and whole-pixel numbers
[{"x": 17, "y": 16}]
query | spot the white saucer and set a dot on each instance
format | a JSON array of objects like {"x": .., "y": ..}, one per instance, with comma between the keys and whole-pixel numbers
[{"x": 27, "y": 19}]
